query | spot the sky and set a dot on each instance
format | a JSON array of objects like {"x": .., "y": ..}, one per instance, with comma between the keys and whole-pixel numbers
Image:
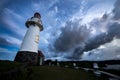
[{"x": 73, "y": 29}]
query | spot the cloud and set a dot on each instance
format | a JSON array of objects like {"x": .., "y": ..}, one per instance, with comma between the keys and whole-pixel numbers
[
  {"x": 114, "y": 30},
  {"x": 9, "y": 41},
  {"x": 6, "y": 54},
  {"x": 99, "y": 25},
  {"x": 70, "y": 41},
  {"x": 105, "y": 45},
  {"x": 75, "y": 38},
  {"x": 97, "y": 41},
  {"x": 10, "y": 13},
  {"x": 72, "y": 34},
  {"x": 53, "y": 3},
  {"x": 111, "y": 29},
  {"x": 97, "y": 10},
  {"x": 3, "y": 41},
  {"x": 116, "y": 10},
  {"x": 56, "y": 9},
  {"x": 106, "y": 51},
  {"x": 14, "y": 28},
  {"x": 13, "y": 22}
]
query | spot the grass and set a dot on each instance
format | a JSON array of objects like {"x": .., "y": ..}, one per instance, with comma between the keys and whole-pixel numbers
[
  {"x": 42, "y": 72},
  {"x": 59, "y": 73},
  {"x": 8, "y": 65}
]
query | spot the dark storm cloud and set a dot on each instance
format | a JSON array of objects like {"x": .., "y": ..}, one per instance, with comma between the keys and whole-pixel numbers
[
  {"x": 93, "y": 43},
  {"x": 97, "y": 41},
  {"x": 113, "y": 30},
  {"x": 77, "y": 53},
  {"x": 75, "y": 37},
  {"x": 72, "y": 34},
  {"x": 116, "y": 10},
  {"x": 71, "y": 40}
]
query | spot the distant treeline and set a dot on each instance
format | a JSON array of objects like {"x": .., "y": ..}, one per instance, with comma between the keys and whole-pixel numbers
[{"x": 85, "y": 64}]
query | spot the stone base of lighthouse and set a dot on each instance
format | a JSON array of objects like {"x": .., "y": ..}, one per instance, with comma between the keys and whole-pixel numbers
[{"x": 26, "y": 57}]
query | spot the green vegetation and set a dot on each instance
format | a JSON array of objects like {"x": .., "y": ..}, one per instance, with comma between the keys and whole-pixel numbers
[
  {"x": 59, "y": 73},
  {"x": 18, "y": 71},
  {"x": 12, "y": 71},
  {"x": 8, "y": 65}
]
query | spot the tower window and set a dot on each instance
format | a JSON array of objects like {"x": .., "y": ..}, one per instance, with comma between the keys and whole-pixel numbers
[{"x": 37, "y": 38}]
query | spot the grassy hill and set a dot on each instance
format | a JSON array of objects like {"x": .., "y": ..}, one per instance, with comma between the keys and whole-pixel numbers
[{"x": 18, "y": 71}]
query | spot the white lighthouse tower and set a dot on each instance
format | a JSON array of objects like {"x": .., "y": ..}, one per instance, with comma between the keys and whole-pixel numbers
[{"x": 29, "y": 47}]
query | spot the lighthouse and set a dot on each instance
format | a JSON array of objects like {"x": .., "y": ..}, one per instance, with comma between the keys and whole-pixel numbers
[{"x": 29, "y": 47}]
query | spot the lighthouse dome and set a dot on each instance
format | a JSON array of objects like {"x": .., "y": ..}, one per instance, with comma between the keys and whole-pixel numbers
[{"x": 37, "y": 15}]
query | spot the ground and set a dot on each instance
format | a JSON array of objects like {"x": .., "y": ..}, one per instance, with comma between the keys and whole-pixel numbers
[{"x": 19, "y": 71}]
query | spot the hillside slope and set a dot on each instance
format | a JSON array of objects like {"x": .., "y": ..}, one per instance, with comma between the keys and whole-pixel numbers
[{"x": 18, "y": 71}]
